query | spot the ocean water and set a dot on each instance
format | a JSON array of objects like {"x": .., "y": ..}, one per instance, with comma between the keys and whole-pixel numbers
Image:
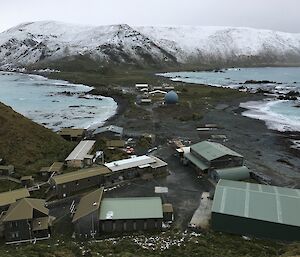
[
  {"x": 47, "y": 102},
  {"x": 281, "y": 115}
]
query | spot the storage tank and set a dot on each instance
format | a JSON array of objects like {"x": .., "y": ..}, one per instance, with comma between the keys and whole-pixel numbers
[{"x": 171, "y": 97}]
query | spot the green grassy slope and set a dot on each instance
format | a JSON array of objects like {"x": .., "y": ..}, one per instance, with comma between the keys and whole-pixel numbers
[{"x": 27, "y": 145}]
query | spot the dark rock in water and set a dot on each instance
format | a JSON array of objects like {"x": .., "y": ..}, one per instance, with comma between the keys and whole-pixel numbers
[
  {"x": 263, "y": 91},
  {"x": 219, "y": 70},
  {"x": 293, "y": 93},
  {"x": 286, "y": 97},
  {"x": 297, "y": 106},
  {"x": 259, "y": 82},
  {"x": 242, "y": 87},
  {"x": 74, "y": 106}
]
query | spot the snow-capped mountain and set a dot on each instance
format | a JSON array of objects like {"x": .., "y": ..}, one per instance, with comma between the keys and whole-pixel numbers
[{"x": 36, "y": 42}]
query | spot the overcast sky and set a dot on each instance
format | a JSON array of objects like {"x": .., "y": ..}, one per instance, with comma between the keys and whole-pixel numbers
[{"x": 270, "y": 14}]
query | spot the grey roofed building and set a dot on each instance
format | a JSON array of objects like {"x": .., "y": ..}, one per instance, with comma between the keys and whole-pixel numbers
[
  {"x": 211, "y": 150},
  {"x": 234, "y": 173},
  {"x": 111, "y": 128},
  {"x": 80, "y": 153},
  {"x": 81, "y": 150},
  {"x": 256, "y": 210}
]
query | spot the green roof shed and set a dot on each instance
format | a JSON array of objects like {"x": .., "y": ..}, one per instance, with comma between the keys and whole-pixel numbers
[{"x": 256, "y": 210}]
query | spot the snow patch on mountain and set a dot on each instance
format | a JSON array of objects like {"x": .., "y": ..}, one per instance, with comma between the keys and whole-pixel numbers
[{"x": 30, "y": 43}]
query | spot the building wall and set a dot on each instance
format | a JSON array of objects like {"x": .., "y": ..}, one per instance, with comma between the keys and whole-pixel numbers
[
  {"x": 168, "y": 216},
  {"x": 227, "y": 161},
  {"x": 256, "y": 228},
  {"x": 17, "y": 230},
  {"x": 108, "y": 135},
  {"x": 75, "y": 163},
  {"x": 41, "y": 233},
  {"x": 86, "y": 226},
  {"x": 65, "y": 190},
  {"x": 111, "y": 226}
]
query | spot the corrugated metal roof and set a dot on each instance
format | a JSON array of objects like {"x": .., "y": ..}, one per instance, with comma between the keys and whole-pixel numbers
[
  {"x": 80, "y": 174},
  {"x": 23, "y": 209},
  {"x": 158, "y": 163},
  {"x": 56, "y": 167},
  {"x": 115, "y": 143},
  {"x": 81, "y": 150},
  {"x": 12, "y": 196},
  {"x": 195, "y": 161},
  {"x": 211, "y": 150},
  {"x": 260, "y": 202},
  {"x": 88, "y": 204},
  {"x": 111, "y": 128},
  {"x": 235, "y": 173},
  {"x": 129, "y": 163},
  {"x": 71, "y": 132},
  {"x": 131, "y": 208}
]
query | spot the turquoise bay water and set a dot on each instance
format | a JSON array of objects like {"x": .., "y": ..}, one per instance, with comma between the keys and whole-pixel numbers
[
  {"x": 44, "y": 101},
  {"x": 279, "y": 115}
]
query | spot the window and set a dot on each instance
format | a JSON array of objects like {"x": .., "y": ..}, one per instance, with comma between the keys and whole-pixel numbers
[{"x": 14, "y": 234}]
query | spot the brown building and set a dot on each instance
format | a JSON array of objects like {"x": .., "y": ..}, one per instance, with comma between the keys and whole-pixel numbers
[
  {"x": 71, "y": 134},
  {"x": 9, "y": 197},
  {"x": 115, "y": 143},
  {"x": 6, "y": 170},
  {"x": 69, "y": 183},
  {"x": 26, "y": 220},
  {"x": 110, "y": 174},
  {"x": 56, "y": 168},
  {"x": 27, "y": 181},
  {"x": 86, "y": 217},
  {"x": 168, "y": 212}
]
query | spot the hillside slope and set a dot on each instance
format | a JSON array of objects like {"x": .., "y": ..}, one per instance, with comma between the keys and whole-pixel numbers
[
  {"x": 50, "y": 41},
  {"x": 27, "y": 145}
]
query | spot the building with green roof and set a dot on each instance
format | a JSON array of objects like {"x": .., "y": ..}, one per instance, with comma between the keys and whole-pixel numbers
[
  {"x": 96, "y": 215},
  {"x": 234, "y": 173},
  {"x": 206, "y": 155},
  {"x": 256, "y": 210},
  {"x": 130, "y": 214}
]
